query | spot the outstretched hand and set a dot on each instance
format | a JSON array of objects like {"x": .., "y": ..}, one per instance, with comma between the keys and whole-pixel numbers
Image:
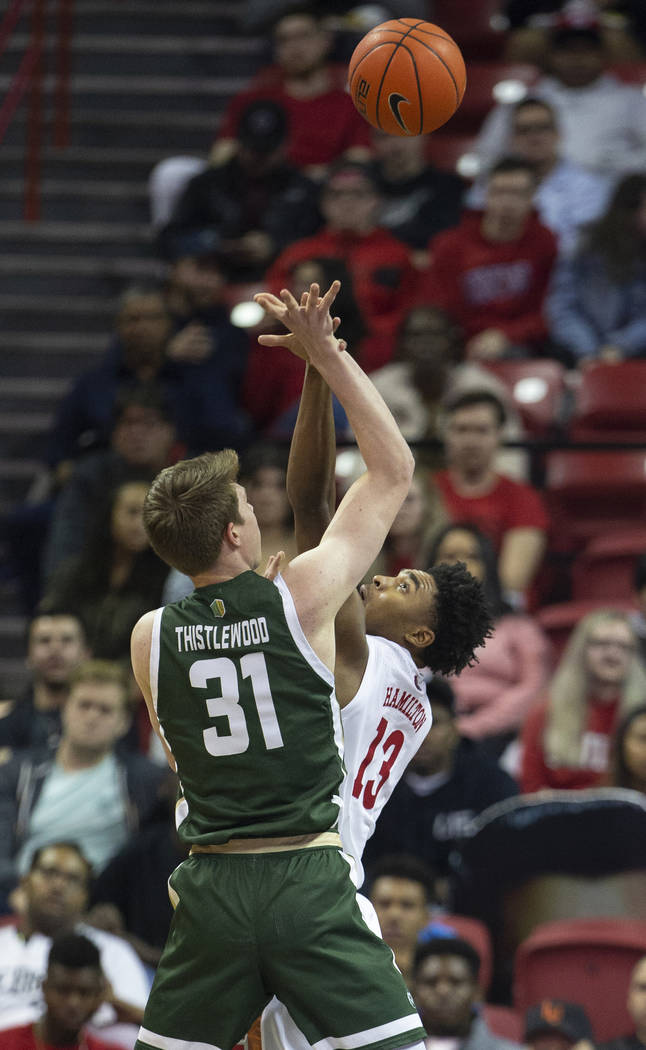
[
  {"x": 273, "y": 565},
  {"x": 309, "y": 322}
]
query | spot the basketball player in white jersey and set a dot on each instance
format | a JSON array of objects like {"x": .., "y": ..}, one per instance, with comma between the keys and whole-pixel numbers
[{"x": 388, "y": 636}]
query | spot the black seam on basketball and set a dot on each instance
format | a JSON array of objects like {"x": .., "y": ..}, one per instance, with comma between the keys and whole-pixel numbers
[
  {"x": 400, "y": 43},
  {"x": 447, "y": 68},
  {"x": 381, "y": 43},
  {"x": 419, "y": 94}
]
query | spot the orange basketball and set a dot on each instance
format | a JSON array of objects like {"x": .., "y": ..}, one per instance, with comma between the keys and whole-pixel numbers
[{"x": 407, "y": 77}]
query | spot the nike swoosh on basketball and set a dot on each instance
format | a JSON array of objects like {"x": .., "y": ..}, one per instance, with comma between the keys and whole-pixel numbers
[{"x": 394, "y": 101}]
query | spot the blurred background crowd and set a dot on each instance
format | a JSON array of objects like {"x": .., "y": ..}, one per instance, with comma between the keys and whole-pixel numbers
[{"x": 494, "y": 287}]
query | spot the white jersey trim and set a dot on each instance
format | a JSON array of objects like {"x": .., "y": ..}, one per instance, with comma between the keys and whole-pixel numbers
[
  {"x": 164, "y": 1042},
  {"x": 155, "y": 649},
  {"x": 410, "y": 1023},
  {"x": 298, "y": 633}
]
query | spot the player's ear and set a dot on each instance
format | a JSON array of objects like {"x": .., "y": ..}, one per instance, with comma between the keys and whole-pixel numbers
[
  {"x": 232, "y": 534},
  {"x": 420, "y": 636}
]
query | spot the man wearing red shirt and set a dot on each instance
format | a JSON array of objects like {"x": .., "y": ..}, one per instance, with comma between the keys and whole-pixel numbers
[
  {"x": 323, "y": 123},
  {"x": 491, "y": 272},
  {"x": 73, "y": 989},
  {"x": 379, "y": 264},
  {"x": 510, "y": 513}
]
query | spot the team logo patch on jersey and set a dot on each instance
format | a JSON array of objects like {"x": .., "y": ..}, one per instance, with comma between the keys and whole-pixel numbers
[{"x": 217, "y": 605}]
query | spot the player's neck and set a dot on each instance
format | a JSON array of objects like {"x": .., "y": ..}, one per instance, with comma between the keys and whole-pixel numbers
[{"x": 228, "y": 566}]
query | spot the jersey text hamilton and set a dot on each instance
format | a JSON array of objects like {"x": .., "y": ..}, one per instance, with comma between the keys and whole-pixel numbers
[
  {"x": 408, "y": 704},
  {"x": 197, "y": 636}
]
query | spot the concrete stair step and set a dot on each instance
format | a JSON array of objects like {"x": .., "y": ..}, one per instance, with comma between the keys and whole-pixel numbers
[
  {"x": 54, "y": 313},
  {"x": 86, "y": 163},
  {"x": 108, "y": 239},
  {"x": 173, "y": 132}
]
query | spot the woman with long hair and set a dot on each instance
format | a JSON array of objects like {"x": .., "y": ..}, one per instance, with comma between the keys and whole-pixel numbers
[
  {"x": 494, "y": 696},
  {"x": 599, "y": 679},
  {"x": 115, "y": 579},
  {"x": 596, "y": 306}
]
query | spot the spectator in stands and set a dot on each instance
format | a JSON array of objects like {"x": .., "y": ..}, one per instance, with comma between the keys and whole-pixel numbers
[
  {"x": 511, "y": 513},
  {"x": 84, "y": 790},
  {"x": 599, "y": 679},
  {"x": 52, "y": 899},
  {"x": 142, "y": 442},
  {"x": 73, "y": 990},
  {"x": 312, "y": 91},
  {"x": 636, "y": 1003},
  {"x": 208, "y": 352},
  {"x": 555, "y": 1024},
  {"x": 447, "y": 995},
  {"x": 130, "y": 896},
  {"x": 56, "y": 645},
  {"x": 494, "y": 696},
  {"x": 273, "y": 384},
  {"x": 402, "y": 892},
  {"x": 417, "y": 199},
  {"x": 628, "y": 755},
  {"x": 196, "y": 367},
  {"x": 411, "y": 534},
  {"x": 116, "y": 577},
  {"x": 567, "y": 195},
  {"x": 263, "y": 472},
  {"x": 602, "y": 120},
  {"x": 596, "y": 306},
  {"x": 426, "y": 370},
  {"x": 622, "y": 24},
  {"x": 491, "y": 273},
  {"x": 447, "y": 784},
  {"x": 379, "y": 263},
  {"x": 255, "y": 203}
]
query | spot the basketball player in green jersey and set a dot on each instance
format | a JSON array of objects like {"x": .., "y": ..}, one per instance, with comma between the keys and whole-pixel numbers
[{"x": 239, "y": 685}]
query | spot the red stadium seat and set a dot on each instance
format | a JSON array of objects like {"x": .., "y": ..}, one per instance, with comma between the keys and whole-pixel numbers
[
  {"x": 477, "y": 934},
  {"x": 538, "y": 389},
  {"x": 478, "y": 26},
  {"x": 487, "y": 84},
  {"x": 630, "y": 72},
  {"x": 606, "y": 566},
  {"x": 609, "y": 403},
  {"x": 589, "y": 493},
  {"x": 586, "y": 961},
  {"x": 559, "y": 620},
  {"x": 504, "y": 1021}
]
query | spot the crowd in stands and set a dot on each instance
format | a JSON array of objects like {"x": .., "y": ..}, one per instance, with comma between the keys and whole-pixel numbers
[{"x": 446, "y": 281}]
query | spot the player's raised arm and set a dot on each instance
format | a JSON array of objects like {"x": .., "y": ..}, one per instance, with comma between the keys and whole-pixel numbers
[
  {"x": 311, "y": 492},
  {"x": 323, "y": 578}
]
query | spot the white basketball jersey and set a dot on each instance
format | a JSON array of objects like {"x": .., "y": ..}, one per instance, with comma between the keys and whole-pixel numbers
[{"x": 383, "y": 726}]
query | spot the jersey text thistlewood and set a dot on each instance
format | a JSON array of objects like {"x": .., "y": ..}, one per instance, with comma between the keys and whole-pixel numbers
[{"x": 196, "y": 637}]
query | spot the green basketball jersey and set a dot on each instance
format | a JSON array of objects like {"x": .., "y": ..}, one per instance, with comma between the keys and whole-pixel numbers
[{"x": 249, "y": 712}]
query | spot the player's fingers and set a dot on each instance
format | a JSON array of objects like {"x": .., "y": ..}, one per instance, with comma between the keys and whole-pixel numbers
[
  {"x": 336, "y": 321},
  {"x": 304, "y": 297},
  {"x": 313, "y": 297},
  {"x": 267, "y": 298},
  {"x": 274, "y": 340},
  {"x": 342, "y": 345},
  {"x": 330, "y": 295},
  {"x": 288, "y": 299}
]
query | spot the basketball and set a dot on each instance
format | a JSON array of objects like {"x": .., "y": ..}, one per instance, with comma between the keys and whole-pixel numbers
[{"x": 407, "y": 77}]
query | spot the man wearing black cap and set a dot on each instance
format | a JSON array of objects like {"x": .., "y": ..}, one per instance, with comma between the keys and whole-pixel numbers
[
  {"x": 554, "y": 1024},
  {"x": 602, "y": 120},
  {"x": 254, "y": 204}
]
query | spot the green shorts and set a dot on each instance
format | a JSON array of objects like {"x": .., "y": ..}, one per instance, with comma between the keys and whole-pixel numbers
[{"x": 251, "y": 926}]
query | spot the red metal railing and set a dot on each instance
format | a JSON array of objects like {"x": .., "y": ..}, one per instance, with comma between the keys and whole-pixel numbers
[{"x": 29, "y": 81}]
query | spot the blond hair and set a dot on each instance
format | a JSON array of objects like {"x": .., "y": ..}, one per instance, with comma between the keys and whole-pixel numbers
[
  {"x": 107, "y": 672},
  {"x": 188, "y": 507},
  {"x": 569, "y": 689}
]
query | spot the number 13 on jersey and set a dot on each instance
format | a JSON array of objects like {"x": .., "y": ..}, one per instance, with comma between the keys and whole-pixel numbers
[{"x": 390, "y": 748}]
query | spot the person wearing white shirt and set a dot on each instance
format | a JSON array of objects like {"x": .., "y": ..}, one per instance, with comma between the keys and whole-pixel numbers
[
  {"x": 567, "y": 196},
  {"x": 602, "y": 120},
  {"x": 51, "y": 898}
]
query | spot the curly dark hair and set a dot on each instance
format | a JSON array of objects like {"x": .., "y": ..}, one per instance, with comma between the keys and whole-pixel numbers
[{"x": 463, "y": 619}]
